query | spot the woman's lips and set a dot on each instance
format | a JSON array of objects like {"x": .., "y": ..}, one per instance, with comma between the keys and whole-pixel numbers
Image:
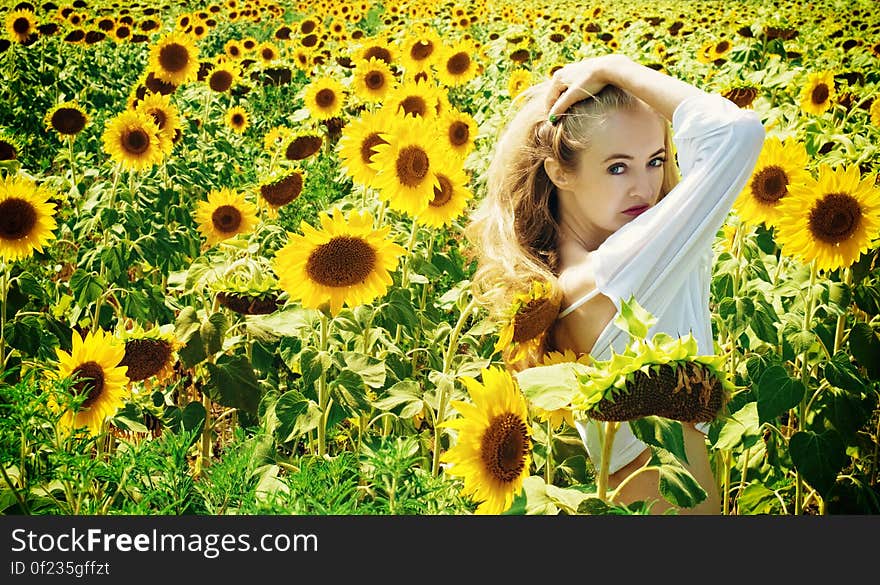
[{"x": 636, "y": 210}]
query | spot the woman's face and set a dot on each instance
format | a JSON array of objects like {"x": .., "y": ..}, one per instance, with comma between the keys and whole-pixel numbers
[{"x": 622, "y": 168}]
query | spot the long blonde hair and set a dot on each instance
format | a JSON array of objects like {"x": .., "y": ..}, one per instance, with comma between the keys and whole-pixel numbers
[{"x": 513, "y": 231}]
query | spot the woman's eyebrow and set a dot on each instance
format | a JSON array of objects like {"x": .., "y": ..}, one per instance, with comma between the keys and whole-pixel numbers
[{"x": 660, "y": 150}]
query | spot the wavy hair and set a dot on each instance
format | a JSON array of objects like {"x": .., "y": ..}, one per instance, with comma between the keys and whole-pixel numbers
[{"x": 513, "y": 231}]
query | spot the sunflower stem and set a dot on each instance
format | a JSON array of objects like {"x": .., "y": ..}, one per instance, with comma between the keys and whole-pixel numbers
[
  {"x": 742, "y": 476},
  {"x": 841, "y": 320},
  {"x": 610, "y": 428},
  {"x": 444, "y": 394},
  {"x": 424, "y": 298},
  {"x": 322, "y": 389},
  {"x": 72, "y": 164},
  {"x": 4, "y": 291},
  {"x": 805, "y": 375},
  {"x": 206, "y": 108},
  {"x": 548, "y": 464}
]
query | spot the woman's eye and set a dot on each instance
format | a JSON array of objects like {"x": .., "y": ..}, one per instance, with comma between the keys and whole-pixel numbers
[
  {"x": 616, "y": 169},
  {"x": 657, "y": 162}
]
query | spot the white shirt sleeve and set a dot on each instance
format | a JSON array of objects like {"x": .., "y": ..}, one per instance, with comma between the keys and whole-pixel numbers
[{"x": 650, "y": 257}]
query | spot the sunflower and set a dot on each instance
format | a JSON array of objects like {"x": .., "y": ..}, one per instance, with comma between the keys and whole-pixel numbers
[
  {"x": 416, "y": 98},
  {"x": 375, "y": 47},
  {"x": 275, "y": 193},
  {"x": 720, "y": 49},
  {"x": 133, "y": 140},
  {"x": 742, "y": 95},
  {"x": 345, "y": 263},
  {"x": 225, "y": 214},
  {"x": 9, "y": 147},
  {"x": 233, "y": 49},
  {"x": 174, "y": 58},
  {"x": 268, "y": 52},
  {"x": 301, "y": 144},
  {"x": 459, "y": 130},
  {"x": 420, "y": 50},
  {"x": 237, "y": 118},
  {"x": 26, "y": 218},
  {"x": 456, "y": 65},
  {"x": 817, "y": 95},
  {"x": 275, "y": 137},
  {"x": 373, "y": 80},
  {"x": 779, "y": 167},
  {"x": 526, "y": 321},
  {"x": 222, "y": 77},
  {"x": 492, "y": 452},
  {"x": 832, "y": 220},
  {"x": 875, "y": 112},
  {"x": 356, "y": 146},
  {"x": 406, "y": 164},
  {"x": 20, "y": 25},
  {"x": 324, "y": 98},
  {"x": 150, "y": 354},
  {"x": 518, "y": 80},
  {"x": 68, "y": 119},
  {"x": 450, "y": 198},
  {"x": 97, "y": 380},
  {"x": 164, "y": 114}
]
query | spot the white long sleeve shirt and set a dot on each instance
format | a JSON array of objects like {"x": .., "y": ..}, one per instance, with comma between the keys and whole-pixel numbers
[{"x": 664, "y": 255}]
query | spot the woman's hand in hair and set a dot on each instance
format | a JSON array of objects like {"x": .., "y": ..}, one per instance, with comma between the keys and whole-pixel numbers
[{"x": 577, "y": 81}]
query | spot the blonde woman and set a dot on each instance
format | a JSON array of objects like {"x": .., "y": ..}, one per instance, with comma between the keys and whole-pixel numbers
[{"x": 584, "y": 193}]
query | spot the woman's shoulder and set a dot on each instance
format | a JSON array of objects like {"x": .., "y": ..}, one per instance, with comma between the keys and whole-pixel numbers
[{"x": 577, "y": 279}]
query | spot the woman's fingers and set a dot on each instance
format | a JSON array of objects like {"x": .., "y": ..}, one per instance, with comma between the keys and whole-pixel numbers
[{"x": 569, "y": 87}]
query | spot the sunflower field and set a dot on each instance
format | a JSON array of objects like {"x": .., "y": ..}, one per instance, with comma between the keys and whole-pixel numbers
[{"x": 234, "y": 277}]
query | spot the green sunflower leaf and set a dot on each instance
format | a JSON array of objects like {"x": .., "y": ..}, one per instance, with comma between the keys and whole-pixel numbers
[
  {"x": 633, "y": 318},
  {"x": 550, "y": 387},
  {"x": 677, "y": 485},
  {"x": 777, "y": 392},
  {"x": 819, "y": 458},
  {"x": 660, "y": 432}
]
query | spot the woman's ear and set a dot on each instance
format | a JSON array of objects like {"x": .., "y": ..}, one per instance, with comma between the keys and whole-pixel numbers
[{"x": 555, "y": 172}]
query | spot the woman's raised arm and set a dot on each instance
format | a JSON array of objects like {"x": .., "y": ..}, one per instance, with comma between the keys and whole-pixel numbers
[{"x": 577, "y": 81}]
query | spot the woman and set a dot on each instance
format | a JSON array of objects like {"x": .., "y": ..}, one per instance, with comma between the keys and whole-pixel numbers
[{"x": 584, "y": 194}]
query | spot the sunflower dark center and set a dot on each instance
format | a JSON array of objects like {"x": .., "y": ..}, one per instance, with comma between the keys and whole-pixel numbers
[
  {"x": 220, "y": 81},
  {"x": 68, "y": 120},
  {"x": 309, "y": 40},
  {"x": 722, "y": 46},
  {"x": 414, "y": 104},
  {"x": 226, "y": 219},
  {"x": 380, "y": 53},
  {"x": 520, "y": 56},
  {"x": 17, "y": 219},
  {"x": 302, "y": 147},
  {"x": 770, "y": 184},
  {"x": 458, "y": 63},
  {"x": 135, "y": 141},
  {"x": 268, "y": 54},
  {"x": 173, "y": 57},
  {"x": 7, "y": 151},
  {"x": 89, "y": 382},
  {"x": 21, "y": 26},
  {"x": 122, "y": 32},
  {"x": 421, "y": 50},
  {"x": 325, "y": 98},
  {"x": 145, "y": 357},
  {"x": 459, "y": 133},
  {"x": 237, "y": 120},
  {"x": 284, "y": 191},
  {"x": 444, "y": 193},
  {"x": 307, "y": 26},
  {"x": 343, "y": 261},
  {"x": 504, "y": 447},
  {"x": 160, "y": 117},
  {"x": 534, "y": 318},
  {"x": 835, "y": 218},
  {"x": 412, "y": 166},
  {"x": 820, "y": 94},
  {"x": 367, "y": 146},
  {"x": 374, "y": 80}
]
